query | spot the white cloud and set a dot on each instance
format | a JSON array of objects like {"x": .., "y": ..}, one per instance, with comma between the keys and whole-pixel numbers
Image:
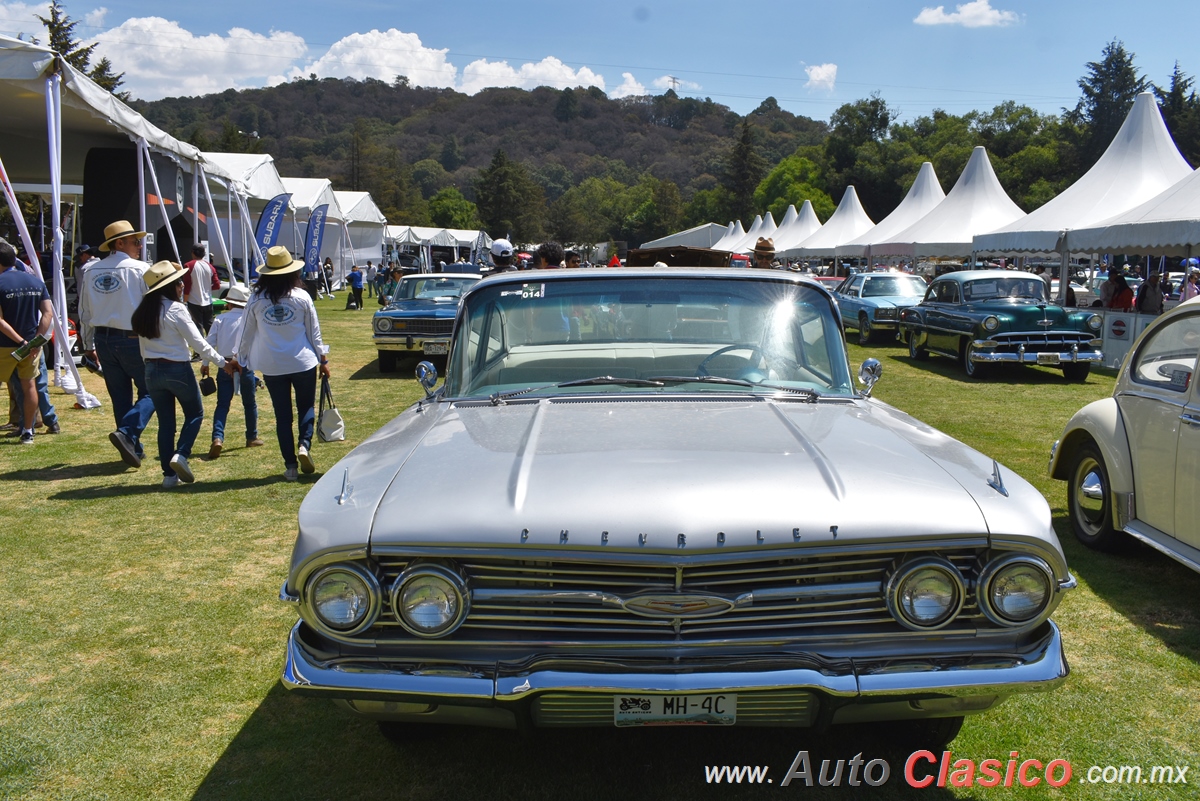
[
  {"x": 549, "y": 71},
  {"x": 976, "y": 14},
  {"x": 95, "y": 19},
  {"x": 23, "y": 18},
  {"x": 160, "y": 59},
  {"x": 383, "y": 55},
  {"x": 669, "y": 81},
  {"x": 628, "y": 88},
  {"x": 821, "y": 76}
]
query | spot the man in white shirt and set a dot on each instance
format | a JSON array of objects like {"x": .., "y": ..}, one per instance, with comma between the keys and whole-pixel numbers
[
  {"x": 199, "y": 283},
  {"x": 369, "y": 278},
  {"x": 109, "y": 291},
  {"x": 224, "y": 337}
]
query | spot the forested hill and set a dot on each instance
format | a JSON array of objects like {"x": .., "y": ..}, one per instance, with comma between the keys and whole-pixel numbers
[{"x": 375, "y": 136}]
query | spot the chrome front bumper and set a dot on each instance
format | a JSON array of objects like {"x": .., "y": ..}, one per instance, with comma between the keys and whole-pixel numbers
[
  {"x": 409, "y": 343},
  {"x": 1023, "y": 356},
  {"x": 859, "y": 690}
]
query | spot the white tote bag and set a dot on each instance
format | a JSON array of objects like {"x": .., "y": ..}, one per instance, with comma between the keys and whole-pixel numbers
[{"x": 330, "y": 425}]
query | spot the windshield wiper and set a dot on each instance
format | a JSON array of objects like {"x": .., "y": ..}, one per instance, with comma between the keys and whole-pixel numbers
[
  {"x": 702, "y": 379},
  {"x": 499, "y": 397}
]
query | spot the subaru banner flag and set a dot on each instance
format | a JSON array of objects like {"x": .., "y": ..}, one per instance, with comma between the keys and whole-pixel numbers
[
  {"x": 312, "y": 239},
  {"x": 270, "y": 223}
]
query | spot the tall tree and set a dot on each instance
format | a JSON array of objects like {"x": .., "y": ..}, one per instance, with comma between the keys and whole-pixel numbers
[
  {"x": 1181, "y": 111},
  {"x": 1109, "y": 89},
  {"x": 744, "y": 168},
  {"x": 510, "y": 202},
  {"x": 62, "y": 41}
]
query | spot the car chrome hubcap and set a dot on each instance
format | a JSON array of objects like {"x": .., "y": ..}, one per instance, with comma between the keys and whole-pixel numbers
[{"x": 1089, "y": 495}]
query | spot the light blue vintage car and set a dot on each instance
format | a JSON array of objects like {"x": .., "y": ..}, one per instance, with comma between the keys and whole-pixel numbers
[{"x": 871, "y": 302}]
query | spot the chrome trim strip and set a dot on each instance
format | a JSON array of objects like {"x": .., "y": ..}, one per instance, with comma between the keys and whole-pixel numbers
[
  {"x": 286, "y": 595},
  {"x": 1030, "y": 357},
  {"x": 484, "y": 596},
  {"x": 1069, "y": 583},
  {"x": 1124, "y": 509},
  {"x": 1176, "y": 549},
  {"x": 1041, "y": 666},
  {"x": 810, "y": 591}
]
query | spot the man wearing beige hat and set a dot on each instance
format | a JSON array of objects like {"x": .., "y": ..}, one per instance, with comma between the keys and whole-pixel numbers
[
  {"x": 108, "y": 294},
  {"x": 764, "y": 253}
]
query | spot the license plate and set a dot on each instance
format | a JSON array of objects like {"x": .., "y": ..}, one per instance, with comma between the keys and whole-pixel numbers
[
  {"x": 675, "y": 710},
  {"x": 1047, "y": 358},
  {"x": 435, "y": 348}
]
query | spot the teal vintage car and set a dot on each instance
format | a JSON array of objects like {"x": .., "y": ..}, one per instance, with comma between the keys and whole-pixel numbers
[{"x": 988, "y": 317}]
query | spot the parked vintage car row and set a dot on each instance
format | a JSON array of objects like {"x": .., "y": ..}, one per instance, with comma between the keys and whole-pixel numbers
[{"x": 759, "y": 541}]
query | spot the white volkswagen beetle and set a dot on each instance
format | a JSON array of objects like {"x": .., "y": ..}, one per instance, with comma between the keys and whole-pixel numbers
[{"x": 1132, "y": 461}]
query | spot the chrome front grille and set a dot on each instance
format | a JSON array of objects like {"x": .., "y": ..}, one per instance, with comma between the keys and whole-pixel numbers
[
  {"x": 571, "y": 600},
  {"x": 773, "y": 708},
  {"x": 1057, "y": 340},
  {"x": 419, "y": 326}
]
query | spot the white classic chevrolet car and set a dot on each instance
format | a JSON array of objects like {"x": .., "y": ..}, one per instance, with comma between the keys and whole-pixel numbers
[{"x": 682, "y": 510}]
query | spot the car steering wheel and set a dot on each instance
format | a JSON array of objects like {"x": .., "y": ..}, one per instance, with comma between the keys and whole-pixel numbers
[{"x": 702, "y": 368}]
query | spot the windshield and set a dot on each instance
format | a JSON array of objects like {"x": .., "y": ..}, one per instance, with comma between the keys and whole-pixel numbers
[
  {"x": 1025, "y": 288},
  {"x": 905, "y": 286},
  {"x": 647, "y": 334},
  {"x": 426, "y": 286}
]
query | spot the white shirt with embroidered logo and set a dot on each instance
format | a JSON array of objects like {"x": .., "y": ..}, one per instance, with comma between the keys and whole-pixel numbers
[
  {"x": 177, "y": 337},
  {"x": 109, "y": 290},
  {"x": 281, "y": 338}
]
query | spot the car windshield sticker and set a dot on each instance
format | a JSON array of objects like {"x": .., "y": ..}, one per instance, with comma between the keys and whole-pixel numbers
[{"x": 527, "y": 292}]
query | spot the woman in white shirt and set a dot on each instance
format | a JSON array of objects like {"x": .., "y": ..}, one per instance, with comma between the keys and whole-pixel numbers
[
  {"x": 167, "y": 336},
  {"x": 282, "y": 339}
]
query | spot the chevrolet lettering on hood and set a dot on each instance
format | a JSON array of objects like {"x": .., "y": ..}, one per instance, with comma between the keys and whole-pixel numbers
[{"x": 682, "y": 496}]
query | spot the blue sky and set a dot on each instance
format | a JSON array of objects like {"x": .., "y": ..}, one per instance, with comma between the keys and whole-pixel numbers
[{"x": 811, "y": 56}]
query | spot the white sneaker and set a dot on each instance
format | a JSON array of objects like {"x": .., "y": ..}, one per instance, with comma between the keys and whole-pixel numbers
[
  {"x": 182, "y": 469},
  {"x": 291, "y": 474},
  {"x": 306, "y": 462},
  {"x": 170, "y": 482}
]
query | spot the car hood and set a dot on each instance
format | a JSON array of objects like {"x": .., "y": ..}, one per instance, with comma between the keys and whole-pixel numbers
[
  {"x": 1025, "y": 316},
  {"x": 404, "y": 308},
  {"x": 885, "y": 301},
  {"x": 732, "y": 473}
]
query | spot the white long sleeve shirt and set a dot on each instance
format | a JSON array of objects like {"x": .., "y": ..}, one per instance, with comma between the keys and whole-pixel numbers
[
  {"x": 109, "y": 290},
  {"x": 178, "y": 336},
  {"x": 281, "y": 338},
  {"x": 225, "y": 334}
]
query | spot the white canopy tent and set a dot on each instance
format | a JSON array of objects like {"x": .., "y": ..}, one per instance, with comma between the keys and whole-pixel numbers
[
  {"x": 765, "y": 231},
  {"x": 796, "y": 226},
  {"x": 258, "y": 182},
  {"x": 1141, "y": 162},
  {"x": 365, "y": 225},
  {"x": 733, "y": 234},
  {"x": 923, "y": 196},
  {"x": 1166, "y": 224},
  {"x": 308, "y": 194},
  {"x": 702, "y": 236},
  {"x": 847, "y": 222},
  {"x": 735, "y": 246},
  {"x": 977, "y": 204}
]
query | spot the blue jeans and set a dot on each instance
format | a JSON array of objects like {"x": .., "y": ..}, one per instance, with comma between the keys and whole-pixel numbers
[
  {"x": 169, "y": 382},
  {"x": 280, "y": 388},
  {"x": 124, "y": 369},
  {"x": 225, "y": 398},
  {"x": 49, "y": 416}
]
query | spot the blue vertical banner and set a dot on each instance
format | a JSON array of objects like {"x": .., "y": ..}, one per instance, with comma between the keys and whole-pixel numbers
[
  {"x": 270, "y": 223},
  {"x": 312, "y": 239}
]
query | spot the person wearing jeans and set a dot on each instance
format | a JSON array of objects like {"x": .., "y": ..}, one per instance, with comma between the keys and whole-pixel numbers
[
  {"x": 224, "y": 335},
  {"x": 167, "y": 335},
  {"x": 281, "y": 337}
]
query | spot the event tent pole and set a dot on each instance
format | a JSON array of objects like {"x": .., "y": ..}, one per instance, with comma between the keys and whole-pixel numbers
[
  {"x": 141, "y": 187},
  {"x": 212, "y": 213},
  {"x": 197, "y": 171},
  {"x": 162, "y": 206}
]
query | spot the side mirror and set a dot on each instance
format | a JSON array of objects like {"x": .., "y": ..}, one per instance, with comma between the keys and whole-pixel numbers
[
  {"x": 868, "y": 375},
  {"x": 427, "y": 377}
]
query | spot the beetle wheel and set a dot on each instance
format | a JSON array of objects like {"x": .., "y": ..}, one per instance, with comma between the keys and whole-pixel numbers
[{"x": 1089, "y": 499}]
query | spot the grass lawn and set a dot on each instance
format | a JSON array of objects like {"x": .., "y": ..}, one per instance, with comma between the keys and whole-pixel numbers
[{"x": 141, "y": 641}]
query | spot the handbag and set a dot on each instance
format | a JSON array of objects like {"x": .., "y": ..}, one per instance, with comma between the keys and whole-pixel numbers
[
  {"x": 207, "y": 385},
  {"x": 330, "y": 425}
]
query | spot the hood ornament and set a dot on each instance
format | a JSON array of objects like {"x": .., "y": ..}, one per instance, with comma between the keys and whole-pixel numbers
[{"x": 996, "y": 482}]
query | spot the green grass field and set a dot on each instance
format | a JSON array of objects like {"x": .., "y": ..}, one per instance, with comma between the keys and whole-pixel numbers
[{"x": 141, "y": 639}]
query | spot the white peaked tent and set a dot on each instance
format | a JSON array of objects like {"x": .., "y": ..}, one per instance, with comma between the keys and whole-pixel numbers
[
  {"x": 255, "y": 171},
  {"x": 923, "y": 196},
  {"x": 977, "y": 204},
  {"x": 308, "y": 194},
  {"x": 365, "y": 225},
  {"x": 1167, "y": 224},
  {"x": 765, "y": 231},
  {"x": 1141, "y": 162},
  {"x": 702, "y": 236},
  {"x": 848, "y": 221},
  {"x": 751, "y": 236},
  {"x": 733, "y": 235},
  {"x": 237, "y": 212},
  {"x": 796, "y": 227}
]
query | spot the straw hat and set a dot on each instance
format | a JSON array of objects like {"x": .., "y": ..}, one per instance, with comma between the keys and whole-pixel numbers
[
  {"x": 280, "y": 262},
  {"x": 120, "y": 228},
  {"x": 162, "y": 273},
  {"x": 764, "y": 247},
  {"x": 236, "y": 295}
]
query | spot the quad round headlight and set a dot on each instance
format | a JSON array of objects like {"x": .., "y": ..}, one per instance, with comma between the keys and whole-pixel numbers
[
  {"x": 344, "y": 598},
  {"x": 1015, "y": 589},
  {"x": 383, "y": 324},
  {"x": 430, "y": 600},
  {"x": 991, "y": 323},
  {"x": 925, "y": 594}
]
